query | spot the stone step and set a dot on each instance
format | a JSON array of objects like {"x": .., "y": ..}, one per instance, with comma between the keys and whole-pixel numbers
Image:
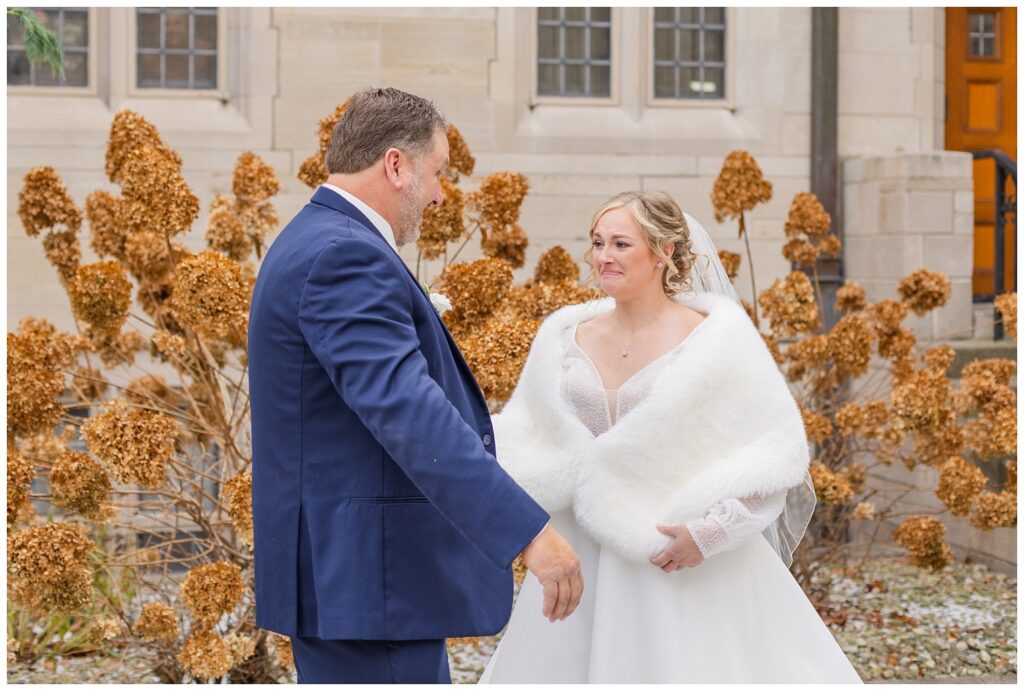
[{"x": 980, "y": 349}]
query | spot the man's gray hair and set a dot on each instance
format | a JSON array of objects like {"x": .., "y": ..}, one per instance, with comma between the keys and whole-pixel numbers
[{"x": 377, "y": 120}]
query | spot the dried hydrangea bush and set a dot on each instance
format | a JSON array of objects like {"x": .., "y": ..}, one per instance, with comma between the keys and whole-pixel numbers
[
  {"x": 133, "y": 429},
  {"x": 906, "y": 409}
]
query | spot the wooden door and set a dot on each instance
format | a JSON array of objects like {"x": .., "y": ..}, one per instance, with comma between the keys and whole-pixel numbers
[{"x": 981, "y": 113}]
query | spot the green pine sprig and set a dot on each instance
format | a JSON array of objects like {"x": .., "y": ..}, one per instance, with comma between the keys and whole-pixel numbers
[{"x": 41, "y": 45}]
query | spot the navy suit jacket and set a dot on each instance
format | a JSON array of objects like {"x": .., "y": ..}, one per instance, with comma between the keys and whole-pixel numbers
[{"x": 380, "y": 512}]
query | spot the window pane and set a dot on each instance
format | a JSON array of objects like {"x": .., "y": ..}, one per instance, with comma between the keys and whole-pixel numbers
[
  {"x": 664, "y": 44},
  {"x": 664, "y": 82},
  {"x": 18, "y": 70},
  {"x": 974, "y": 22},
  {"x": 547, "y": 79},
  {"x": 149, "y": 71},
  {"x": 76, "y": 69},
  {"x": 714, "y": 15},
  {"x": 547, "y": 41},
  {"x": 664, "y": 14},
  {"x": 76, "y": 29},
  {"x": 689, "y": 45},
  {"x": 15, "y": 32},
  {"x": 600, "y": 81},
  {"x": 46, "y": 77},
  {"x": 689, "y": 15},
  {"x": 575, "y": 14},
  {"x": 206, "y": 32},
  {"x": 987, "y": 49},
  {"x": 988, "y": 23},
  {"x": 600, "y": 14},
  {"x": 148, "y": 30},
  {"x": 600, "y": 44},
  {"x": 574, "y": 47},
  {"x": 50, "y": 19},
  {"x": 547, "y": 13},
  {"x": 175, "y": 30},
  {"x": 689, "y": 82},
  {"x": 205, "y": 72},
  {"x": 714, "y": 82},
  {"x": 574, "y": 80},
  {"x": 714, "y": 45},
  {"x": 176, "y": 74}
]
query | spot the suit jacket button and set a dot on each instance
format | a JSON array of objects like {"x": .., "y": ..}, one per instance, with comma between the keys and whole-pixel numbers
[{"x": 487, "y": 440}]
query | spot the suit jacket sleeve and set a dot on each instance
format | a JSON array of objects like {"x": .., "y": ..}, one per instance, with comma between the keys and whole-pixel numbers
[{"x": 356, "y": 315}]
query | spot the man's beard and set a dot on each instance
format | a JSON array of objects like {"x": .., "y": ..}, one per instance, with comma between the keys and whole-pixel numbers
[{"x": 410, "y": 214}]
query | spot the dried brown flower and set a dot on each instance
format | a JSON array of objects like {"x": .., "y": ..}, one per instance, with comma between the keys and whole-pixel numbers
[
  {"x": 238, "y": 495},
  {"x": 499, "y": 198},
  {"x": 864, "y": 511},
  {"x": 740, "y": 186},
  {"x": 850, "y": 298},
  {"x": 19, "y": 482},
  {"x": 106, "y": 235},
  {"x": 157, "y": 622},
  {"x": 442, "y": 224},
  {"x": 63, "y": 251},
  {"x": 47, "y": 571},
  {"x": 206, "y": 656},
  {"x": 159, "y": 199},
  {"x": 151, "y": 390},
  {"x": 806, "y": 355},
  {"x": 150, "y": 259},
  {"x": 535, "y": 300},
  {"x": 994, "y": 510},
  {"x": 459, "y": 158},
  {"x": 830, "y": 488},
  {"x": 923, "y": 537},
  {"x": 959, "y": 483},
  {"x": 129, "y": 134},
  {"x": 101, "y": 295},
  {"x": 212, "y": 590},
  {"x": 475, "y": 289},
  {"x": 508, "y": 243},
  {"x": 831, "y": 246},
  {"x": 134, "y": 444},
  {"x": 868, "y": 419},
  {"x": 313, "y": 171},
  {"x": 44, "y": 203},
  {"x": 935, "y": 446},
  {"x": 496, "y": 354},
  {"x": 283, "y": 650},
  {"x": 169, "y": 344},
  {"x": 1006, "y": 305},
  {"x": 924, "y": 290},
  {"x": 856, "y": 475},
  {"x": 818, "y": 427},
  {"x": 209, "y": 295},
  {"x": 80, "y": 484},
  {"x": 800, "y": 251},
  {"x": 225, "y": 233},
  {"x": 254, "y": 180},
  {"x": 789, "y": 305},
  {"x": 241, "y": 647},
  {"x": 730, "y": 262},
  {"x": 849, "y": 345},
  {"x": 994, "y": 432},
  {"x": 105, "y": 629},
  {"x": 921, "y": 404},
  {"x": 939, "y": 358},
  {"x": 35, "y": 356},
  {"x": 556, "y": 265},
  {"x": 807, "y": 217}
]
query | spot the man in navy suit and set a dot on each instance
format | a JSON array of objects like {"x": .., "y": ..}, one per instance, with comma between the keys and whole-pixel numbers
[{"x": 383, "y": 523}]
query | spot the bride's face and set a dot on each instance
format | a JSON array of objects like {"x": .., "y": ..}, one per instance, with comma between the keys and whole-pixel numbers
[{"x": 622, "y": 259}]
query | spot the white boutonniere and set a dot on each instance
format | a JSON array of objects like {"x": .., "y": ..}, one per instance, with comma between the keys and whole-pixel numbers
[{"x": 440, "y": 301}]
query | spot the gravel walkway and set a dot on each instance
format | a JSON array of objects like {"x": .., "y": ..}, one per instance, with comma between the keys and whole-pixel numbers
[{"x": 896, "y": 623}]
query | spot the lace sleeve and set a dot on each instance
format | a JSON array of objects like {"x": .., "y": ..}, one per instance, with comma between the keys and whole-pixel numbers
[{"x": 729, "y": 522}]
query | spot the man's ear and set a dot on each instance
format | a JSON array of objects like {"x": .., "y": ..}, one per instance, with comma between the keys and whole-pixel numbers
[{"x": 392, "y": 165}]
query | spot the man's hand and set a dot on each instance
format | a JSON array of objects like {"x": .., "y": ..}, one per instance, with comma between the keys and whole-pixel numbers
[
  {"x": 550, "y": 558},
  {"x": 680, "y": 553}
]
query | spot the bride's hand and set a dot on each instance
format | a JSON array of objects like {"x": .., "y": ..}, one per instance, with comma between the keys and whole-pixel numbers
[{"x": 680, "y": 553}]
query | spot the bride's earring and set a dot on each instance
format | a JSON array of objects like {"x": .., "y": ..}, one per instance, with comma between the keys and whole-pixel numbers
[{"x": 660, "y": 265}]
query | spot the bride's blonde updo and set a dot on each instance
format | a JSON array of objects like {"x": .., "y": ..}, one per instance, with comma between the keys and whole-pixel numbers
[{"x": 662, "y": 222}]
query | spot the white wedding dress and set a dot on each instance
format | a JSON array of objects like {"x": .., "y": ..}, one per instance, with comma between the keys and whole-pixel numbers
[{"x": 738, "y": 616}]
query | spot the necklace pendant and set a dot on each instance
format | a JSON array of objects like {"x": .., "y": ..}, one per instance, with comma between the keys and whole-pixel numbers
[{"x": 625, "y": 352}]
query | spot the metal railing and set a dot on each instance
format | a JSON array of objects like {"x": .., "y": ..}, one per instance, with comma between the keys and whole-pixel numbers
[{"x": 1006, "y": 205}]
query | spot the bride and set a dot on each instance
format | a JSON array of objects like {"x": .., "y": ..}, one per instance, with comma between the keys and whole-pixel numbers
[{"x": 659, "y": 434}]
